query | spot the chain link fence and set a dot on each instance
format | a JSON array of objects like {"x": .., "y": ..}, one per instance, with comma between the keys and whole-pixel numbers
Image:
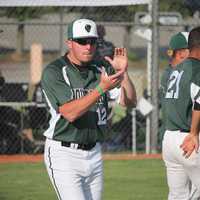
[{"x": 23, "y": 115}]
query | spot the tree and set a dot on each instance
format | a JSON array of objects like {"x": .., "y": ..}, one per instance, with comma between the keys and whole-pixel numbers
[
  {"x": 114, "y": 14},
  {"x": 193, "y": 5},
  {"x": 176, "y": 6},
  {"x": 21, "y": 14}
]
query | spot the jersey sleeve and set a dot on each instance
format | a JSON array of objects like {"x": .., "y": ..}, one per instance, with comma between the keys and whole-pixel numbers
[
  {"x": 162, "y": 89},
  {"x": 195, "y": 87},
  {"x": 55, "y": 88},
  {"x": 164, "y": 81}
]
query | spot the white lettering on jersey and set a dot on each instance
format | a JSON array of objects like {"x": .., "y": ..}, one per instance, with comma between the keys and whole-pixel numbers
[
  {"x": 80, "y": 92},
  {"x": 173, "y": 85},
  {"x": 102, "y": 115}
]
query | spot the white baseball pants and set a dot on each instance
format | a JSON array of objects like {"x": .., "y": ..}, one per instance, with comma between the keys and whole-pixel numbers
[
  {"x": 75, "y": 174},
  {"x": 181, "y": 171}
]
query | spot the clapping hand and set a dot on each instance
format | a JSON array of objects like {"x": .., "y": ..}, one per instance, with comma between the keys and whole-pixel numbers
[
  {"x": 119, "y": 61},
  {"x": 111, "y": 81}
]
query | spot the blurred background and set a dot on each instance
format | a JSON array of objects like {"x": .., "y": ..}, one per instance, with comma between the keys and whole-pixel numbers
[{"x": 32, "y": 34}]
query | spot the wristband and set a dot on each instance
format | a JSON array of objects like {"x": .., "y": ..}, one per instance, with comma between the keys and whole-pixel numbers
[{"x": 100, "y": 90}]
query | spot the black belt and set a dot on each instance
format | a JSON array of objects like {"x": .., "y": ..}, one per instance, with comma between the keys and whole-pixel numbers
[
  {"x": 184, "y": 130},
  {"x": 86, "y": 147}
]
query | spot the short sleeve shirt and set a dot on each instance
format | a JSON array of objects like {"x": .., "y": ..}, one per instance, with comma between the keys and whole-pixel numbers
[
  {"x": 63, "y": 82},
  {"x": 183, "y": 89},
  {"x": 163, "y": 88}
]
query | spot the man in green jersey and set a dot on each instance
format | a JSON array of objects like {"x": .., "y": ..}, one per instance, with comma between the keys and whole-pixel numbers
[
  {"x": 182, "y": 123},
  {"x": 76, "y": 89},
  {"x": 177, "y": 52}
]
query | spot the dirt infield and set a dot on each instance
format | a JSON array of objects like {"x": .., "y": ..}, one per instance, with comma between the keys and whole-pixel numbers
[{"x": 38, "y": 158}]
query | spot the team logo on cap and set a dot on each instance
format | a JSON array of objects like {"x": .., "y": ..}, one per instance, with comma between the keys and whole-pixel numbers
[{"x": 88, "y": 27}]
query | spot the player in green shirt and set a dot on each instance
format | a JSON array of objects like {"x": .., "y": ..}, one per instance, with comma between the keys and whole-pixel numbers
[
  {"x": 76, "y": 89},
  {"x": 182, "y": 123},
  {"x": 177, "y": 52}
]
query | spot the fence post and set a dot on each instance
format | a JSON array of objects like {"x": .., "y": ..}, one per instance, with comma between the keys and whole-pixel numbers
[
  {"x": 149, "y": 73},
  {"x": 61, "y": 41},
  {"x": 133, "y": 113},
  {"x": 154, "y": 82},
  {"x": 36, "y": 62}
]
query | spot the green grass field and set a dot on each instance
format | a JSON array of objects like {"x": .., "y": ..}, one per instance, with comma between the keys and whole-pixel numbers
[{"x": 123, "y": 180}]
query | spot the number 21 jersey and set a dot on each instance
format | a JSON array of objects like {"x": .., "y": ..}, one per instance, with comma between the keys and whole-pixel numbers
[{"x": 183, "y": 89}]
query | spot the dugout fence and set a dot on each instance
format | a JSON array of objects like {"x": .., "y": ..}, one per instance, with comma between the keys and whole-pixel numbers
[{"x": 25, "y": 23}]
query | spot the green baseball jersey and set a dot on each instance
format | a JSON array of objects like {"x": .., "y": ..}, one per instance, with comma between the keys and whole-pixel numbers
[
  {"x": 164, "y": 79},
  {"x": 183, "y": 89},
  {"x": 63, "y": 82},
  {"x": 163, "y": 87}
]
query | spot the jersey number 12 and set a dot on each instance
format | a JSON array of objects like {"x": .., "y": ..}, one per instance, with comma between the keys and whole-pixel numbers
[{"x": 102, "y": 115}]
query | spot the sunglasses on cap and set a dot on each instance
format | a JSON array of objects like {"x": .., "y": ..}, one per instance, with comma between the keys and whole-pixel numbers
[{"x": 84, "y": 41}]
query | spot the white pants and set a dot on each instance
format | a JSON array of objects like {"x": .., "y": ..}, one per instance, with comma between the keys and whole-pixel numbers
[
  {"x": 75, "y": 174},
  {"x": 181, "y": 171}
]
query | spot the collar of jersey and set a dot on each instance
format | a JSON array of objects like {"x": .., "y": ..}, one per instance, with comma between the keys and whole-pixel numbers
[
  {"x": 75, "y": 66},
  {"x": 81, "y": 73}
]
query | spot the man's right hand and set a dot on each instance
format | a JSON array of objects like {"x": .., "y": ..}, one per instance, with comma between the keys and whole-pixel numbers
[
  {"x": 109, "y": 82},
  {"x": 190, "y": 143}
]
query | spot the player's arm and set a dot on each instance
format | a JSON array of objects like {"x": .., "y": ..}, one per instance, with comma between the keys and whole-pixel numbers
[
  {"x": 128, "y": 92},
  {"x": 120, "y": 64},
  {"x": 195, "y": 127},
  {"x": 163, "y": 84},
  {"x": 191, "y": 141},
  {"x": 72, "y": 110}
]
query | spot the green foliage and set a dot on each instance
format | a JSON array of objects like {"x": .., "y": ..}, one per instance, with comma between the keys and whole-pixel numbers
[
  {"x": 110, "y": 14},
  {"x": 132, "y": 56},
  {"x": 126, "y": 13},
  {"x": 21, "y": 13},
  {"x": 123, "y": 180},
  {"x": 27, "y": 13},
  {"x": 119, "y": 112},
  {"x": 175, "y": 6},
  {"x": 113, "y": 13}
]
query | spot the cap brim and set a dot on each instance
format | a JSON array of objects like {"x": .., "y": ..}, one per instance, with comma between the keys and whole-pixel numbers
[{"x": 84, "y": 37}]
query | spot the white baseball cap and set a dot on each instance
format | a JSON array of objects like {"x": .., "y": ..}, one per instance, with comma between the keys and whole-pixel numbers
[{"x": 82, "y": 28}]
